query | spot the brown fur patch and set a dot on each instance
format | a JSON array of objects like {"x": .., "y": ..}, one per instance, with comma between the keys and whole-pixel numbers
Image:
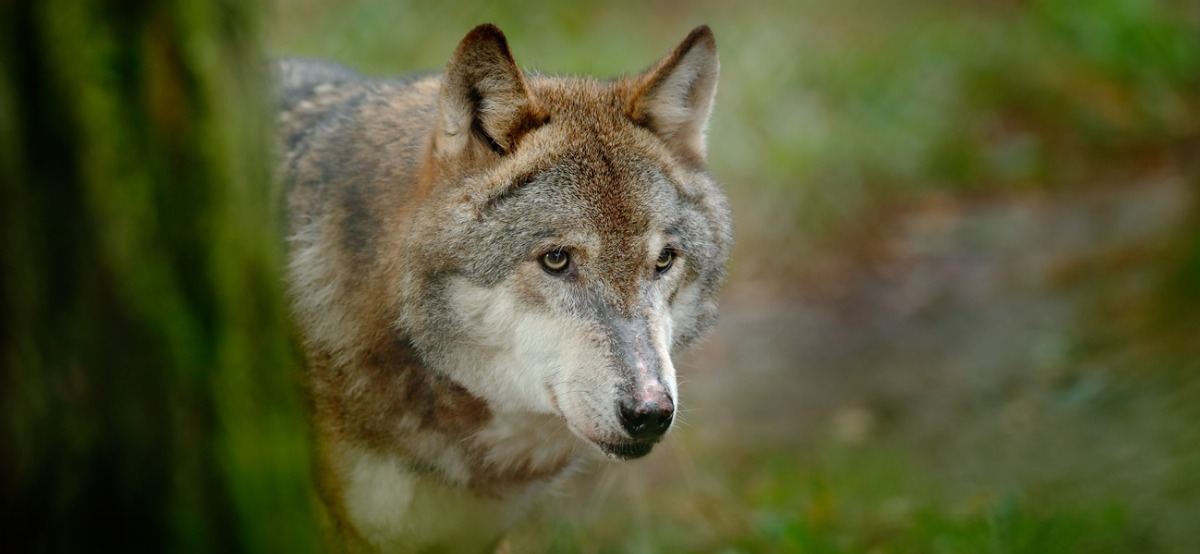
[{"x": 495, "y": 482}]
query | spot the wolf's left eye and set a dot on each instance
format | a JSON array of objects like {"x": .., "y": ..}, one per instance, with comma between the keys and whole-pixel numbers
[
  {"x": 556, "y": 261},
  {"x": 664, "y": 261}
]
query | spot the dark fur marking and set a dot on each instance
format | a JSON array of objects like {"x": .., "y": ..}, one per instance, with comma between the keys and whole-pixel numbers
[
  {"x": 359, "y": 225},
  {"x": 506, "y": 191}
]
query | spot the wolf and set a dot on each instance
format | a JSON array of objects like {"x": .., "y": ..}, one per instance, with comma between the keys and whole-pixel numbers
[{"x": 490, "y": 270}]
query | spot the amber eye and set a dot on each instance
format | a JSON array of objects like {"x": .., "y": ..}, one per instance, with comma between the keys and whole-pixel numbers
[
  {"x": 556, "y": 261},
  {"x": 664, "y": 261}
]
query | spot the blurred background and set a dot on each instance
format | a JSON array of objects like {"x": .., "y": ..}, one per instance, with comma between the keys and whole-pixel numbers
[{"x": 962, "y": 312}]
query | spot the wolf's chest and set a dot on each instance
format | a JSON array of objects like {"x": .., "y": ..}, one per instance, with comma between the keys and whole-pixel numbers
[
  {"x": 483, "y": 486},
  {"x": 397, "y": 510}
]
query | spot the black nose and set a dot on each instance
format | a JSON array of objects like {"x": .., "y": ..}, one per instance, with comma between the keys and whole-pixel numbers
[{"x": 647, "y": 420}]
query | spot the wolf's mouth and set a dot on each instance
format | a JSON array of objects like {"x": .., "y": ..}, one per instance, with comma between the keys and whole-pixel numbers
[{"x": 626, "y": 450}]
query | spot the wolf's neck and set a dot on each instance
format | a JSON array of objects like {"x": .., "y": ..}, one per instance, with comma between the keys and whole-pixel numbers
[{"x": 515, "y": 448}]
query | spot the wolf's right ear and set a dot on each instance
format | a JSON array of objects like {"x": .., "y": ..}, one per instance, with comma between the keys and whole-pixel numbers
[{"x": 484, "y": 104}]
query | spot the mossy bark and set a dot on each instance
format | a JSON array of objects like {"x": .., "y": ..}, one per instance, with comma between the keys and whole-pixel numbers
[{"x": 150, "y": 391}]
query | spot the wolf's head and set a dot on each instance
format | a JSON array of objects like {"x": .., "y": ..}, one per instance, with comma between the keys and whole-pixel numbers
[{"x": 572, "y": 240}]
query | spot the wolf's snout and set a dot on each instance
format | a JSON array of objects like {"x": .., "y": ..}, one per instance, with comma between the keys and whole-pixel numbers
[{"x": 648, "y": 415}]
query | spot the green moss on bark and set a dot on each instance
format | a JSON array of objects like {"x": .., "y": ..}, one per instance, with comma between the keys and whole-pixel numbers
[{"x": 150, "y": 392}]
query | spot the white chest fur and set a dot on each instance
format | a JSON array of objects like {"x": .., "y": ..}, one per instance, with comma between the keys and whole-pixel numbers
[{"x": 397, "y": 509}]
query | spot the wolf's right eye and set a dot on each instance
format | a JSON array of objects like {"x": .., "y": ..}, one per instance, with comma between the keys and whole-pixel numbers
[{"x": 556, "y": 261}]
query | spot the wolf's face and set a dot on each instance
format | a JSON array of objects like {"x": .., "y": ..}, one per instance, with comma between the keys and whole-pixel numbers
[{"x": 575, "y": 240}]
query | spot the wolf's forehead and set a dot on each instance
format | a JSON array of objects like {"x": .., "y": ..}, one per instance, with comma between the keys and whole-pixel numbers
[
  {"x": 620, "y": 192},
  {"x": 611, "y": 173}
]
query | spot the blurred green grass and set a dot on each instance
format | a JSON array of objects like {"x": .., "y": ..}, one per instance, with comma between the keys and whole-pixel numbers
[
  {"x": 842, "y": 500},
  {"x": 828, "y": 111}
]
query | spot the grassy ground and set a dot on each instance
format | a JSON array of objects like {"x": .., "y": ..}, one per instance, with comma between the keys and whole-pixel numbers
[{"x": 958, "y": 225}]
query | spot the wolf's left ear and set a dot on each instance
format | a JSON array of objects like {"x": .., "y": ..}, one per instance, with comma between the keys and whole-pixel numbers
[
  {"x": 675, "y": 97},
  {"x": 484, "y": 103}
]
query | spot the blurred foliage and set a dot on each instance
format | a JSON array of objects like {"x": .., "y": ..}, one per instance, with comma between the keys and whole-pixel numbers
[{"x": 150, "y": 393}]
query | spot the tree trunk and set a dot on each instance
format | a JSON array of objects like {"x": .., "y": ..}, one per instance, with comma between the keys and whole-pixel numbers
[{"x": 150, "y": 391}]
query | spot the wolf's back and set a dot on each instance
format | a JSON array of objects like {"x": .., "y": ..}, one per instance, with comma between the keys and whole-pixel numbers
[{"x": 296, "y": 79}]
